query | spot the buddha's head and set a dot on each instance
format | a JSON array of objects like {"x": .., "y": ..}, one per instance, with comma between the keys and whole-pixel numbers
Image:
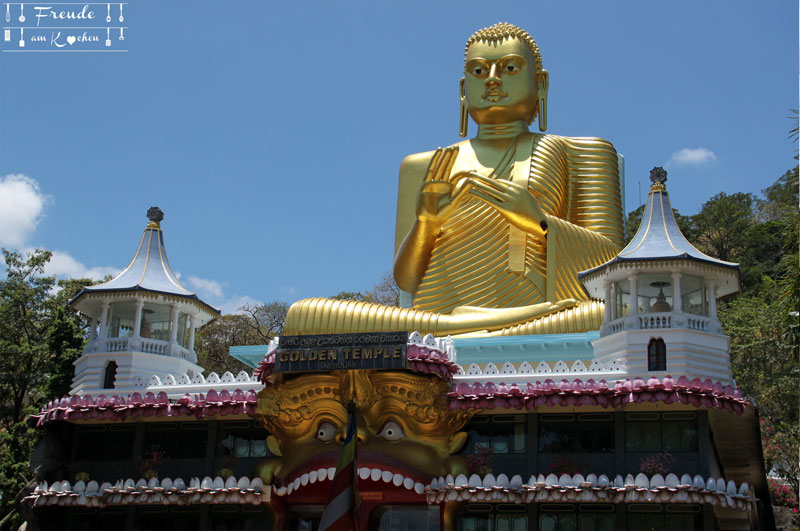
[
  {"x": 404, "y": 424},
  {"x": 503, "y": 77}
]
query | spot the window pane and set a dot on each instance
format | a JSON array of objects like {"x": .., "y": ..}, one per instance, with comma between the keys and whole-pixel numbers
[
  {"x": 651, "y": 437},
  {"x": 633, "y": 436}
]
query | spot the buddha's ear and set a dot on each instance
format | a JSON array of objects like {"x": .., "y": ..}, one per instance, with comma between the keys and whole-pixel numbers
[
  {"x": 463, "y": 119},
  {"x": 542, "y": 84}
]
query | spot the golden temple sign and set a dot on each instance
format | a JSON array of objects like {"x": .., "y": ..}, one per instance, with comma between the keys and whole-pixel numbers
[{"x": 336, "y": 352}]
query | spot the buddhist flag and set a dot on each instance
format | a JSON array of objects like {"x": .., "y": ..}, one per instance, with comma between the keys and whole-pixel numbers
[{"x": 340, "y": 513}]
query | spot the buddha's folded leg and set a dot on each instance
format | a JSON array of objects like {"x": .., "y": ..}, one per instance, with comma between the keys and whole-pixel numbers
[{"x": 327, "y": 316}]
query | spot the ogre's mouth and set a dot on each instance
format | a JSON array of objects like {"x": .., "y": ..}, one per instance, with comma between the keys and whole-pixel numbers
[{"x": 372, "y": 466}]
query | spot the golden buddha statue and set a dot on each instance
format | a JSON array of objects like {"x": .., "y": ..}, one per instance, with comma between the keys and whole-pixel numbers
[{"x": 492, "y": 231}]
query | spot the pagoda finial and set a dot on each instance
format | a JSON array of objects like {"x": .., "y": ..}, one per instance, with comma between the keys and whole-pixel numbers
[
  {"x": 155, "y": 215},
  {"x": 658, "y": 176}
]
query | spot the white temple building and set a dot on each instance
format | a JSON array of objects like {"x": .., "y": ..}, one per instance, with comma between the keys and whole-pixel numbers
[
  {"x": 661, "y": 299},
  {"x": 144, "y": 321}
]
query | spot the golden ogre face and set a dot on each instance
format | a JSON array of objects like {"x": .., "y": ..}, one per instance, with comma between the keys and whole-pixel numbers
[
  {"x": 500, "y": 81},
  {"x": 404, "y": 426}
]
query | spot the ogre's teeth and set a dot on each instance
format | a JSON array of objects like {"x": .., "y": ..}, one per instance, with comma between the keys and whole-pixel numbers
[
  {"x": 375, "y": 474},
  {"x": 419, "y": 488},
  {"x": 408, "y": 483},
  {"x": 363, "y": 472},
  {"x": 397, "y": 480},
  {"x": 304, "y": 479},
  {"x": 386, "y": 476}
]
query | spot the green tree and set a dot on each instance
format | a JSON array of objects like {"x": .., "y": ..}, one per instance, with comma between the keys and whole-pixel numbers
[
  {"x": 722, "y": 225},
  {"x": 25, "y": 320},
  {"x": 65, "y": 343},
  {"x": 257, "y": 324}
]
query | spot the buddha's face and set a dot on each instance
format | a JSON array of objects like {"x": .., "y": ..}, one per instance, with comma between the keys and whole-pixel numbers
[{"x": 500, "y": 82}]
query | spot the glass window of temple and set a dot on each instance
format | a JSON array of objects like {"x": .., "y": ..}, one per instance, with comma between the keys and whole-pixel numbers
[
  {"x": 576, "y": 433},
  {"x": 569, "y": 517},
  {"x": 122, "y": 315},
  {"x": 656, "y": 355},
  {"x": 645, "y": 517},
  {"x": 672, "y": 432},
  {"x": 488, "y": 517},
  {"x": 241, "y": 438},
  {"x": 104, "y": 443},
  {"x": 156, "y": 322},
  {"x": 405, "y": 518},
  {"x": 235, "y": 518},
  {"x": 171, "y": 440},
  {"x": 654, "y": 292},
  {"x": 110, "y": 375},
  {"x": 622, "y": 297},
  {"x": 503, "y": 434},
  {"x": 183, "y": 330},
  {"x": 155, "y": 518},
  {"x": 693, "y": 295}
]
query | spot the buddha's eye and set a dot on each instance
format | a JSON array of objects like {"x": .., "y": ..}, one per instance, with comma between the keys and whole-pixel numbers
[
  {"x": 511, "y": 68},
  {"x": 392, "y": 431},
  {"x": 326, "y": 431},
  {"x": 477, "y": 71}
]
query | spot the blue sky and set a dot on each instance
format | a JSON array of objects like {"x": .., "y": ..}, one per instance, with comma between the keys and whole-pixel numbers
[{"x": 270, "y": 133}]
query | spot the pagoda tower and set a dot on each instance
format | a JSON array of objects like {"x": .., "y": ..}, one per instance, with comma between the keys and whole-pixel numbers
[
  {"x": 660, "y": 297},
  {"x": 143, "y": 321}
]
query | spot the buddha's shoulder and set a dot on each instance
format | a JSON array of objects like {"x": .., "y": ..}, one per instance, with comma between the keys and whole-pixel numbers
[{"x": 578, "y": 142}]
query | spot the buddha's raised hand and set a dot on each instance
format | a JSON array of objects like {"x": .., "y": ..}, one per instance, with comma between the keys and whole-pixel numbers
[{"x": 440, "y": 192}]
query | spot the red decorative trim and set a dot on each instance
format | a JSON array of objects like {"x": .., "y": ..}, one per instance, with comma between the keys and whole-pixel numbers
[
  {"x": 132, "y": 406},
  {"x": 590, "y": 393}
]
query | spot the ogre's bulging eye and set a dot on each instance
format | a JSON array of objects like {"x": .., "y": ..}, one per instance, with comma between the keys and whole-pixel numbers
[
  {"x": 392, "y": 431},
  {"x": 326, "y": 431}
]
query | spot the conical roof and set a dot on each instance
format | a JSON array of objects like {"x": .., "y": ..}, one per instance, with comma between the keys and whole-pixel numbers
[
  {"x": 658, "y": 236},
  {"x": 149, "y": 270}
]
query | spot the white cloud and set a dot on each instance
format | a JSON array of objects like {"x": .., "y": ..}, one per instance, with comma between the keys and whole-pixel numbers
[
  {"x": 288, "y": 290},
  {"x": 233, "y": 304},
  {"x": 63, "y": 265},
  {"x": 206, "y": 287},
  {"x": 21, "y": 207},
  {"x": 699, "y": 155}
]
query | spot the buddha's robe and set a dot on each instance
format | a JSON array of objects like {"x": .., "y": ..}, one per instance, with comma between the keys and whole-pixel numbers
[{"x": 480, "y": 260}]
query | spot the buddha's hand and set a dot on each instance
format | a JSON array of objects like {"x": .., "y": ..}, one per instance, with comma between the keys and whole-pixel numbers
[
  {"x": 440, "y": 194},
  {"x": 513, "y": 200}
]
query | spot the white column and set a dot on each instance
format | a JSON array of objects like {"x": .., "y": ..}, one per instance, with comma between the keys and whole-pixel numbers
[
  {"x": 191, "y": 332},
  {"x": 613, "y": 299},
  {"x": 173, "y": 316},
  {"x": 93, "y": 330},
  {"x": 677, "y": 301},
  {"x": 712, "y": 300},
  {"x": 137, "y": 320},
  {"x": 607, "y": 290},
  {"x": 104, "y": 320},
  {"x": 634, "y": 293}
]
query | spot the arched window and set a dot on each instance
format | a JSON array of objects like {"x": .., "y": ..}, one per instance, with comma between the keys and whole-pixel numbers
[
  {"x": 111, "y": 375},
  {"x": 656, "y": 355}
]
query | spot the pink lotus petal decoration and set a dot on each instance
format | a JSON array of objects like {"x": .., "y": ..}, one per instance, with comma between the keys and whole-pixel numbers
[{"x": 490, "y": 395}]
